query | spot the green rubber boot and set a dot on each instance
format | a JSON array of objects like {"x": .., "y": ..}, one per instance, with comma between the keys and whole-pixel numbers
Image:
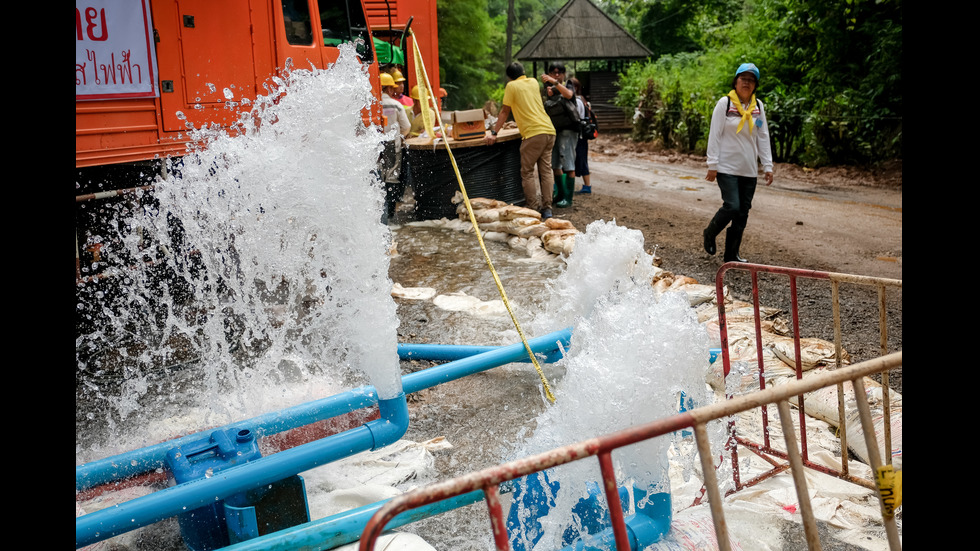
[
  {"x": 564, "y": 198},
  {"x": 566, "y": 190}
]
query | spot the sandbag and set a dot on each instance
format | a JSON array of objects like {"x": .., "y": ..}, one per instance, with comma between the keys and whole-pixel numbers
[
  {"x": 822, "y": 404},
  {"x": 412, "y": 293},
  {"x": 559, "y": 224},
  {"x": 510, "y": 212},
  {"x": 535, "y": 249},
  {"x": 814, "y": 352},
  {"x": 534, "y": 230},
  {"x": 554, "y": 240},
  {"x": 461, "y": 302}
]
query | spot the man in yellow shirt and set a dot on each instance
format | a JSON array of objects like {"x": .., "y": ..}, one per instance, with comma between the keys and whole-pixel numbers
[{"x": 522, "y": 98}]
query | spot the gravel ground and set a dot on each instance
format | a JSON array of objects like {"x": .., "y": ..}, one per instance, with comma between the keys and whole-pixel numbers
[{"x": 834, "y": 220}]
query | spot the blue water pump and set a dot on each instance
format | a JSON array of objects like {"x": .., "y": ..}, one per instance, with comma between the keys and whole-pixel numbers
[
  {"x": 242, "y": 516},
  {"x": 534, "y": 498}
]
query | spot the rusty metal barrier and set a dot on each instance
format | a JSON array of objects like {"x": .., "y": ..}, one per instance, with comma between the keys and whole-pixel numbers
[
  {"x": 764, "y": 449},
  {"x": 488, "y": 480}
]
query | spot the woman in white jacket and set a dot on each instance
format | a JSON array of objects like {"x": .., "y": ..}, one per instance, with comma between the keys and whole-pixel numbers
[{"x": 737, "y": 142}]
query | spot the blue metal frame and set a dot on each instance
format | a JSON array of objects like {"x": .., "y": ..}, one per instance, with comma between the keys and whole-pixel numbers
[{"x": 146, "y": 510}]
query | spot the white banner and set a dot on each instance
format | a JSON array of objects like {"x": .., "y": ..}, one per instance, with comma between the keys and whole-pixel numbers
[{"x": 114, "y": 53}]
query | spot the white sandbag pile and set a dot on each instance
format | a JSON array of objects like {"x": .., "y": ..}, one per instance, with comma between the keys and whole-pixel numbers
[
  {"x": 822, "y": 404},
  {"x": 779, "y": 363},
  {"x": 521, "y": 227}
]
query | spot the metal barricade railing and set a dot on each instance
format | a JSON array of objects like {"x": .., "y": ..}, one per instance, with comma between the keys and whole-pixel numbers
[
  {"x": 488, "y": 480},
  {"x": 764, "y": 449}
]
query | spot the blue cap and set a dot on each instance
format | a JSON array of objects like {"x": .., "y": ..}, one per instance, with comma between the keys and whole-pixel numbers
[{"x": 748, "y": 67}]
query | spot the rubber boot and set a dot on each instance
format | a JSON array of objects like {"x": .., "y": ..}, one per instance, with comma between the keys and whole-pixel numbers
[
  {"x": 569, "y": 189},
  {"x": 710, "y": 233},
  {"x": 733, "y": 240},
  {"x": 557, "y": 194},
  {"x": 564, "y": 197}
]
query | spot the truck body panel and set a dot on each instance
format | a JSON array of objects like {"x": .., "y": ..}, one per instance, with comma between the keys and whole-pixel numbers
[{"x": 210, "y": 55}]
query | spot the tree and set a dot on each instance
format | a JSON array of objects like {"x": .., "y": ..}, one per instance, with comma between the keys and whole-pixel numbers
[
  {"x": 468, "y": 71},
  {"x": 831, "y": 75}
]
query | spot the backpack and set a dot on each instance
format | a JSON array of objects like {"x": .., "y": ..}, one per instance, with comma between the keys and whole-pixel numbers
[
  {"x": 563, "y": 113},
  {"x": 589, "y": 125}
]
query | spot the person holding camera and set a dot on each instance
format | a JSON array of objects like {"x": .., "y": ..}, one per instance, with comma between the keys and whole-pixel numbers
[{"x": 559, "y": 103}]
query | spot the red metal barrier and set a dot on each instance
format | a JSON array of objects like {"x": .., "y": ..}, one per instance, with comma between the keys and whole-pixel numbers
[
  {"x": 488, "y": 480},
  {"x": 764, "y": 449}
]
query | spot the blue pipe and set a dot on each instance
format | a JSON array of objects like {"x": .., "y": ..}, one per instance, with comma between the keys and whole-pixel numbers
[
  {"x": 641, "y": 532},
  {"x": 458, "y": 369},
  {"x": 146, "y": 510},
  {"x": 451, "y": 352},
  {"x": 346, "y": 527},
  {"x": 150, "y": 458},
  {"x": 172, "y": 501}
]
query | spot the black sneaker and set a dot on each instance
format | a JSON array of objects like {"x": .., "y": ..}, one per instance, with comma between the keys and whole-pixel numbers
[{"x": 545, "y": 214}]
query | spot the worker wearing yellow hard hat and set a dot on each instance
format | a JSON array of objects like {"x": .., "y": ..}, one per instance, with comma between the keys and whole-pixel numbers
[
  {"x": 418, "y": 124},
  {"x": 400, "y": 90}
]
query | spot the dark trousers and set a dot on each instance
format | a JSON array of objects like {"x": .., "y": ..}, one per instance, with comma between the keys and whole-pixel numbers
[{"x": 736, "y": 194}]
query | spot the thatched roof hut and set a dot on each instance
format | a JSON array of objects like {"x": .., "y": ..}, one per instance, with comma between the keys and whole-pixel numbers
[{"x": 582, "y": 31}]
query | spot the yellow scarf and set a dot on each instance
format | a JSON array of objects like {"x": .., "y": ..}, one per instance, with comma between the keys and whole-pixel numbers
[{"x": 745, "y": 113}]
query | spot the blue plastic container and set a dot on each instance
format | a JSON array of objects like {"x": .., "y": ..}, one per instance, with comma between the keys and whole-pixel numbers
[{"x": 241, "y": 516}]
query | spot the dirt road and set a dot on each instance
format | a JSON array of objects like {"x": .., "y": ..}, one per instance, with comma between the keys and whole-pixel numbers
[{"x": 835, "y": 221}]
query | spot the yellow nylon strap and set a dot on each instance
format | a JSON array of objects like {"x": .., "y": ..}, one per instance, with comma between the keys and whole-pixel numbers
[
  {"x": 425, "y": 91},
  {"x": 423, "y": 81},
  {"x": 745, "y": 113}
]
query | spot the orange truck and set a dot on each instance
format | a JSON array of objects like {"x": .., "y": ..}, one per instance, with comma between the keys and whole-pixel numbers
[{"x": 146, "y": 68}]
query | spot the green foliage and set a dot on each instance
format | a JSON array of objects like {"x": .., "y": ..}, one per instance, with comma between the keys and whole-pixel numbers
[
  {"x": 529, "y": 17},
  {"x": 831, "y": 74},
  {"x": 673, "y": 98},
  {"x": 473, "y": 44},
  {"x": 467, "y": 69}
]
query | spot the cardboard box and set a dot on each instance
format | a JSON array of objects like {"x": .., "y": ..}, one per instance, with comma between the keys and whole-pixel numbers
[{"x": 468, "y": 125}]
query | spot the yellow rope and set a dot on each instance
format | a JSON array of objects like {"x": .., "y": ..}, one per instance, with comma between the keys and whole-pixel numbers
[{"x": 425, "y": 92}]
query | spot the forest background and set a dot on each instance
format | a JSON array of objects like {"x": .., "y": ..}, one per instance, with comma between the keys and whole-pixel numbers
[{"x": 831, "y": 69}]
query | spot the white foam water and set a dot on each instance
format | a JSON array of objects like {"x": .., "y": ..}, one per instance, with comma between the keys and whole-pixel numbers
[
  {"x": 261, "y": 271},
  {"x": 632, "y": 353}
]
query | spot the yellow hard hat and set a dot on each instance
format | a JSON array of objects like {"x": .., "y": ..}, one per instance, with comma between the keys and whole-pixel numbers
[
  {"x": 397, "y": 75},
  {"x": 415, "y": 92},
  {"x": 386, "y": 80}
]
